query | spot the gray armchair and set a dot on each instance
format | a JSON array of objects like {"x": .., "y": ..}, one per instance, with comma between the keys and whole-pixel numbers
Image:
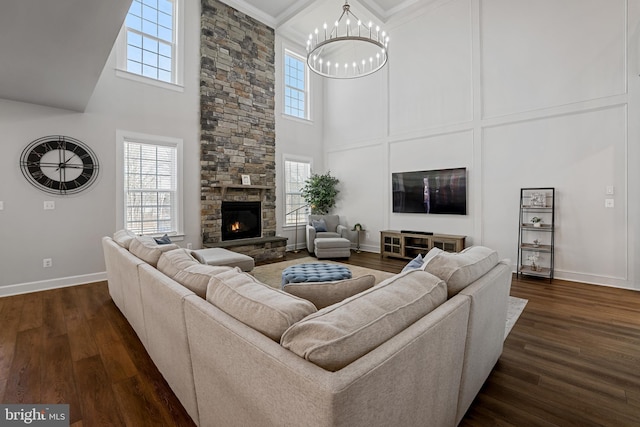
[{"x": 334, "y": 229}]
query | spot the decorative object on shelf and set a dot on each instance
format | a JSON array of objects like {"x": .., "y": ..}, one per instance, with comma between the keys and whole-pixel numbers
[
  {"x": 537, "y": 221},
  {"x": 532, "y": 259},
  {"x": 320, "y": 192},
  {"x": 59, "y": 165},
  {"x": 538, "y": 200},
  {"x": 246, "y": 179},
  {"x": 358, "y": 229},
  {"x": 536, "y": 243},
  {"x": 295, "y": 239},
  {"x": 349, "y": 49}
]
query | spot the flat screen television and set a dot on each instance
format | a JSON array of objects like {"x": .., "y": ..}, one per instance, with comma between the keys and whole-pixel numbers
[{"x": 442, "y": 191}]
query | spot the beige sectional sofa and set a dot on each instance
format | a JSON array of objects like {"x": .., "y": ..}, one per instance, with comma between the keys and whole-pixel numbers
[{"x": 410, "y": 351}]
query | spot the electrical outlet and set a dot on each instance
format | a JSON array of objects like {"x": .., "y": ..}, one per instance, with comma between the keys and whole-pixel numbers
[
  {"x": 49, "y": 205},
  {"x": 608, "y": 203},
  {"x": 189, "y": 245},
  {"x": 47, "y": 262},
  {"x": 1, "y": 206}
]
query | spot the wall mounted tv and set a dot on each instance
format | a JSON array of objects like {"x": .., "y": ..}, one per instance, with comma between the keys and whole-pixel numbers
[{"x": 442, "y": 191}]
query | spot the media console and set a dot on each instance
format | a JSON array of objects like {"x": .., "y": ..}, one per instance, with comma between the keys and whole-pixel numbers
[{"x": 408, "y": 244}]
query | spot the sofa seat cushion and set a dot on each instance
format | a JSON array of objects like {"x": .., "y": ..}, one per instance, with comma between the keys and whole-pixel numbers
[
  {"x": 341, "y": 333},
  {"x": 148, "y": 250},
  {"x": 323, "y": 294},
  {"x": 459, "y": 270},
  {"x": 268, "y": 310},
  {"x": 179, "y": 265}
]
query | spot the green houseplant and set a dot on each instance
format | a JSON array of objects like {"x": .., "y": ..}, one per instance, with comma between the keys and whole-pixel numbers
[{"x": 320, "y": 192}]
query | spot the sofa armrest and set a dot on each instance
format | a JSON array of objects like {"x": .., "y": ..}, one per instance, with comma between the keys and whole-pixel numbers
[
  {"x": 311, "y": 236},
  {"x": 342, "y": 230}
]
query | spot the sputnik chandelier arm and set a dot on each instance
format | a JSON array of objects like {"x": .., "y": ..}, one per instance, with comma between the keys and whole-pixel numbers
[{"x": 349, "y": 50}]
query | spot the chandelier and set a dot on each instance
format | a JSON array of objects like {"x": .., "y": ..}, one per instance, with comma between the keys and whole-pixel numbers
[{"x": 349, "y": 49}]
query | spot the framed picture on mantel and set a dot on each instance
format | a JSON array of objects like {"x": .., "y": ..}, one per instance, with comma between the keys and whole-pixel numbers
[{"x": 246, "y": 180}]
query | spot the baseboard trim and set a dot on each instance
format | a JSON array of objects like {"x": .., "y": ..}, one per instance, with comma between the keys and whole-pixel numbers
[{"x": 44, "y": 285}]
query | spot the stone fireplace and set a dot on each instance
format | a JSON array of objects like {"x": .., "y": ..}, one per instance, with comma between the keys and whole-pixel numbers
[{"x": 237, "y": 127}]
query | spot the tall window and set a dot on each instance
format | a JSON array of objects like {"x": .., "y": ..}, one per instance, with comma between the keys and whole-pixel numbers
[
  {"x": 295, "y": 86},
  {"x": 151, "y": 39},
  {"x": 296, "y": 172},
  {"x": 151, "y": 196}
]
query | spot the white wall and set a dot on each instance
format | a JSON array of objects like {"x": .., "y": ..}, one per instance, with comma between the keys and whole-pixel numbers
[
  {"x": 522, "y": 94},
  {"x": 71, "y": 233},
  {"x": 295, "y": 138}
]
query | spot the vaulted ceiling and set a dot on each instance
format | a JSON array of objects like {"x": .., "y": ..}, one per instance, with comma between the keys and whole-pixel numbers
[{"x": 53, "y": 52}]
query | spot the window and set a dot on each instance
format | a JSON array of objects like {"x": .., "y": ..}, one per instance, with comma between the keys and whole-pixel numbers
[
  {"x": 151, "y": 182},
  {"x": 296, "y": 172},
  {"x": 295, "y": 87},
  {"x": 151, "y": 39}
]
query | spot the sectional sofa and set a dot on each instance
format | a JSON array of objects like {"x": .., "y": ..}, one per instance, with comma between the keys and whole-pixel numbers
[{"x": 413, "y": 350}]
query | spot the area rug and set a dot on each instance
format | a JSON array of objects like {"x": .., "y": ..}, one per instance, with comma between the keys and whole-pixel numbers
[{"x": 271, "y": 274}]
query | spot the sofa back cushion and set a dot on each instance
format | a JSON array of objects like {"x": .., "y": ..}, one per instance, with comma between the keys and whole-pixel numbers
[
  {"x": 123, "y": 238},
  {"x": 148, "y": 250},
  {"x": 182, "y": 267},
  {"x": 459, "y": 270},
  {"x": 323, "y": 294},
  {"x": 341, "y": 333},
  {"x": 259, "y": 306}
]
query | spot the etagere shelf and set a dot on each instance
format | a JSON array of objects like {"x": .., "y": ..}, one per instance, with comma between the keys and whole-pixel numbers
[{"x": 536, "y": 233}]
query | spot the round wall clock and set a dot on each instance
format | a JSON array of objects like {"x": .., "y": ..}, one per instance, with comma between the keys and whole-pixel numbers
[{"x": 59, "y": 165}]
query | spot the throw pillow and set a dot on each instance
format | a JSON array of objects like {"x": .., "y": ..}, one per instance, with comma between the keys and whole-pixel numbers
[
  {"x": 413, "y": 264},
  {"x": 337, "y": 335},
  {"x": 459, "y": 270},
  {"x": 319, "y": 225},
  {"x": 268, "y": 310},
  {"x": 164, "y": 240},
  {"x": 323, "y": 294}
]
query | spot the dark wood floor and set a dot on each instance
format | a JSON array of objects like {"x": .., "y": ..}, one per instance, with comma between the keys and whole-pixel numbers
[{"x": 572, "y": 359}]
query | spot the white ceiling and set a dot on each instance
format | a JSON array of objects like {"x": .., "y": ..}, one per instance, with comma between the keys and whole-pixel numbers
[{"x": 53, "y": 51}]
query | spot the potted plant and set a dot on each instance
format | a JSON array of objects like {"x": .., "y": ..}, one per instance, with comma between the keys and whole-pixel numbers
[
  {"x": 532, "y": 259},
  {"x": 320, "y": 192},
  {"x": 537, "y": 221}
]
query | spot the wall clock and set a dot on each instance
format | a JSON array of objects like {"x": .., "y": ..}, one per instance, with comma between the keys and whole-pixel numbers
[{"x": 59, "y": 165}]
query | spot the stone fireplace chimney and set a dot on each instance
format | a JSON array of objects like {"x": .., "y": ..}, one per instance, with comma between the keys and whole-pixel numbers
[{"x": 237, "y": 123}]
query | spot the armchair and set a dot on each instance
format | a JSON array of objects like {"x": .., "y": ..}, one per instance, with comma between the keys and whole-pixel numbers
[{"x": 334, "y": 229}]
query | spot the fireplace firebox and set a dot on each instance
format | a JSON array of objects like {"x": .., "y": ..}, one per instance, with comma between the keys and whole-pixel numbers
[{"x": 241, "y": 220}]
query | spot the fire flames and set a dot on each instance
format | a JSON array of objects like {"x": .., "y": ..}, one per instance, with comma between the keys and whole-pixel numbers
[{"x": 235, "y": 226}]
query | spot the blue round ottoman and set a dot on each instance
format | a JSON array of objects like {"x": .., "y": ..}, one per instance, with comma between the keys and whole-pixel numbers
[{"x": 315, "y": 272}]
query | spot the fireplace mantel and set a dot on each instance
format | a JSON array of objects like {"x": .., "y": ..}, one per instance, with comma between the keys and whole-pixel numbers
[{"x": 223, "y": 188}]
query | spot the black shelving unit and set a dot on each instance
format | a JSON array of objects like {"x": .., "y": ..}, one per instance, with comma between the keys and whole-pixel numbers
[{"x": 536, "y": 239}]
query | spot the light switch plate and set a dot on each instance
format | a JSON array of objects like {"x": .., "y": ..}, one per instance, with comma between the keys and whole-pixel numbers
[
  {"x": 609, "y": 189},
  {"x": 1, "y": 206}
]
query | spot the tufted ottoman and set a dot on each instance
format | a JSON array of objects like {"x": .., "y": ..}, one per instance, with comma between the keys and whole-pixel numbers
[
  {"x": 332, "y": 247},
  {"x": 315, "y": 272}
]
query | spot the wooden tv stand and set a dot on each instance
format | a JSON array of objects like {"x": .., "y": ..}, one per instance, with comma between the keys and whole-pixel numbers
[{"x": 406, "y": 245}]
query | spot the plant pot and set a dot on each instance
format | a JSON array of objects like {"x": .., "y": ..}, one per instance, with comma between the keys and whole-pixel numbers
[{"x": 537, "y": 224}]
